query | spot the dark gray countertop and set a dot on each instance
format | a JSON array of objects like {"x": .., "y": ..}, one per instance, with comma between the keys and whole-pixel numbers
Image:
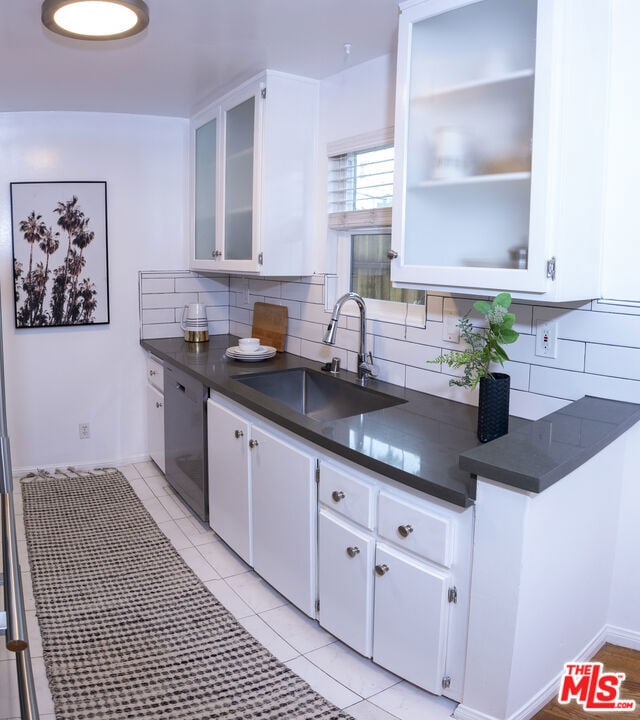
[
  {"x": 428, "y": 443},
  {"x": 537, "y": 455}
]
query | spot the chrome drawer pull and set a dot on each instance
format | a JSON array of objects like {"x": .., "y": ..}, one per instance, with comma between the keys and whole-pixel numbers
[
  {"x": 337, "y": 495},
  {"x": 405, "y": 530},
  {"x": 352, "y": 551},
  {"x": 238, "y": 433},
  {"x": 253, "y": 443},
  {"x": 382, "y": 569},
  {"x": 158, "y": 404}
]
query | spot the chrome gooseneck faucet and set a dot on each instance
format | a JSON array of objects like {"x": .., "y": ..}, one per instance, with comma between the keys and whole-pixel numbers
[{"x": 366, "y": 368}]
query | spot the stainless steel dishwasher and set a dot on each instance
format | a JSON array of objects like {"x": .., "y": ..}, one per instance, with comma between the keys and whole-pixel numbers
[{"x": 185, "y": 438}]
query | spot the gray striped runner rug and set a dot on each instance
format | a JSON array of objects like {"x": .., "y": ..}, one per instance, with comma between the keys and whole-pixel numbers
[{"x": 128, "y": 630}]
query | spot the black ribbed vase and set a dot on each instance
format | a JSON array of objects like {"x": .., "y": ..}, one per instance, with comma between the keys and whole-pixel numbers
[{"x": 493, "y": 406}]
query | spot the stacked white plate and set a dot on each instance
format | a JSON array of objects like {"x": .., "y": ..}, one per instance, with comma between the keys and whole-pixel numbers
[{"x": 262, "y": 352}]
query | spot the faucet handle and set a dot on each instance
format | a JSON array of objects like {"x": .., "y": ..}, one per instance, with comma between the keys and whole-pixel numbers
[{"x": 368, "y": 367}]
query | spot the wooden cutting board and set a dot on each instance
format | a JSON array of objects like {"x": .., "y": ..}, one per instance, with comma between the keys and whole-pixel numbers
[{"x": 270, "y": 324}]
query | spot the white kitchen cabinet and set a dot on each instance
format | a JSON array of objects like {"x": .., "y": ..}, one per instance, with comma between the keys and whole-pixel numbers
[
  {"x": 411, "y": 618},
  {"x": 263, "y": 499},
  {"x": 394, "y": 576},
  {"x": 500, "y": 146},
  {"x": 229, "y": 481},
  {"x": 155, "y": 411},
  {"x": 253, "y": 168},
  {"x": 345, "y": 581},
  {"x": 284, "y": 506}
]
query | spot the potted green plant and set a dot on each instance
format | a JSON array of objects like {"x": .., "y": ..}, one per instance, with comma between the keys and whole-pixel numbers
[{"x": 484, "y": 347}]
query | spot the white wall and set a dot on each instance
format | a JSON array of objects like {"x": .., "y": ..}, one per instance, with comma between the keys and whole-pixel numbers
[{"x": 59, "y": 377}]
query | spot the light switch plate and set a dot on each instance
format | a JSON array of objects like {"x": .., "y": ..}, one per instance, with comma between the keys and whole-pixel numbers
[{"x": 547, "y": 338}]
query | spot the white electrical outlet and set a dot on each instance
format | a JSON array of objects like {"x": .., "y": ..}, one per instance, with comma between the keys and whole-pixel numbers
[
  {"x": 547, "y": 338},
  {"x": 450, "y": 329},
  {"x": 84, "y": 431}
]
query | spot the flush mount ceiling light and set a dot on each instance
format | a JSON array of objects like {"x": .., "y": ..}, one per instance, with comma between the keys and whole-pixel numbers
[{"x": 95, "y": 19}]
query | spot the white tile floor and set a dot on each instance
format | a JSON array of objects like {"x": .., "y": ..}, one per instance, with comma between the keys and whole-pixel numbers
[{"x": 364, "y": 690}]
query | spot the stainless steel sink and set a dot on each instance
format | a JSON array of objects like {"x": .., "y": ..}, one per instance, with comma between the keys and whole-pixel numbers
[{"x": 317, "y": 395}]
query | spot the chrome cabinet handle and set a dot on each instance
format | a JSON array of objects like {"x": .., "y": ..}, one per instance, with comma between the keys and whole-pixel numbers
[
  {"x": 392, "y": 254},
  {"x": 253, "y": 443},
  {"x": 216, "y": 253},
  {"x": 238, "y": 433},
  {"x": 382, "y": 569},
  {"x": 153, "y": 372},
  {"x": 158, "y": 404},
  {"x": 337, "y": 495},
  {"x": 352, "y": 551},
  {"x": 405, "y": 530}
]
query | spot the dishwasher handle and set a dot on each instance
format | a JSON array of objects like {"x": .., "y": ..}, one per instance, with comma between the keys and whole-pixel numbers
[{"x": 180, "y": 387}]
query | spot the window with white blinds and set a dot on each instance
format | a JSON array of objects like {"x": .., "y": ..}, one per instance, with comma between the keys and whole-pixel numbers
[
  {"x": 361, "y": 182},
  {"x": 360, "y": 192}
]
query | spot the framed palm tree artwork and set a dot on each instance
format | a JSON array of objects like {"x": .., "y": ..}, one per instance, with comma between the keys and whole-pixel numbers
[{"x": 60, "y": 261}]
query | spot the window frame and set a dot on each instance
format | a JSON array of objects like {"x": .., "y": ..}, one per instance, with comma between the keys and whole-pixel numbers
[{"x": 341, "y": 227}]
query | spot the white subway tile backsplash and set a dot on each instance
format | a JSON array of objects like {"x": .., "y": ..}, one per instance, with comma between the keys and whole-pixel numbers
[
  {"x": 240, "y": 315},
  {"x": 239, "y": 329},
  {"x": 573, "y": 385},
  {"x": 437, "y": 383},
  {"x": 630, "y": 308},
  {"x": 157, "y": 285},
  {"x": 302, "y": 291},
  {"x": 391, "y": 372},
  {"x": 267, "y": 288},
  {"x": 317, "y": 351},
  {"x": 219, "y": 297},
  {"x": 570, "y": 353},
  {"x": 531, "y": 406},
  {"x": 400, "y": 351},
  {"x": 434, "y": 308},
  {"x": 202, "y": 284},
  {"x": 168, "y": 300},
  {"x": 621, "y": 362},
  {"x": 162, "y": 315},
  {"x": 519, "y": 373},
  {"x": 594, "y": 327},
  {"x": 598, "y": 345},
  {"x": 292, "y": 345},
  {"x": 315, "y": 313},
  {"x": 218, "y": 327}
]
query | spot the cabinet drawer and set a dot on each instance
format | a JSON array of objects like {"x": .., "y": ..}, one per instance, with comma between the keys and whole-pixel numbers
[
  {"x": 347, "y": 494},
  {"x": 418, "y": 529},
  {"x": 155, "y": 373}
]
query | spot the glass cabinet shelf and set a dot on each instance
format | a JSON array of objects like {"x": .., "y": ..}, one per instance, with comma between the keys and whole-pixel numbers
[
  {"x": 477, "y": 179},
  {"x": 479, "y": 84}
]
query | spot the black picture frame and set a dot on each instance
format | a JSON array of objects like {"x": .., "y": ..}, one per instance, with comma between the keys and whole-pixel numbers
[{"x": 60, "y": 253}]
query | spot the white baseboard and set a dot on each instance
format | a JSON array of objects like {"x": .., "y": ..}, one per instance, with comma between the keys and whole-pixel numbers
[
  {"x": 84, "y": 464},
  {"x": 624, "y": 638},
  {"x": 548, "y": 692}
]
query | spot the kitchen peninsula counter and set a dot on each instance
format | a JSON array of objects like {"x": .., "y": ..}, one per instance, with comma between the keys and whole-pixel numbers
[{"x": 427, "y": 442}]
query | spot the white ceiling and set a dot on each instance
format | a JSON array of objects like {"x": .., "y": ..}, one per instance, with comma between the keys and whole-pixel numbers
[{"x": 191, "y": 51}]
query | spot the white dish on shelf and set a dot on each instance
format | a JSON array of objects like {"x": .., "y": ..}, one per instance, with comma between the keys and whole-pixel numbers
[{"x": 262, "y": 352}]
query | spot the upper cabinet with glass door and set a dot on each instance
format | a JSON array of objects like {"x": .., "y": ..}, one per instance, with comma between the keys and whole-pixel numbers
[
  {"x": 500, "y": 130},
  {"x": 253, "y": 164}
]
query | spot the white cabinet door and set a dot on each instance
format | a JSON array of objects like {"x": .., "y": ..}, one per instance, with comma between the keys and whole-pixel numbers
[
  {"x": 345, "y": 581},
  {"x": 492, "y": 180},
  {"x": 155, "y": 424},
  {"x": 284, "y": 505},
  {"x": 410, "y": 618},
  {"x": 253, "y": 171},
  {"x": 205, "y": 169},
  {"x": 229, "y": 489}
]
